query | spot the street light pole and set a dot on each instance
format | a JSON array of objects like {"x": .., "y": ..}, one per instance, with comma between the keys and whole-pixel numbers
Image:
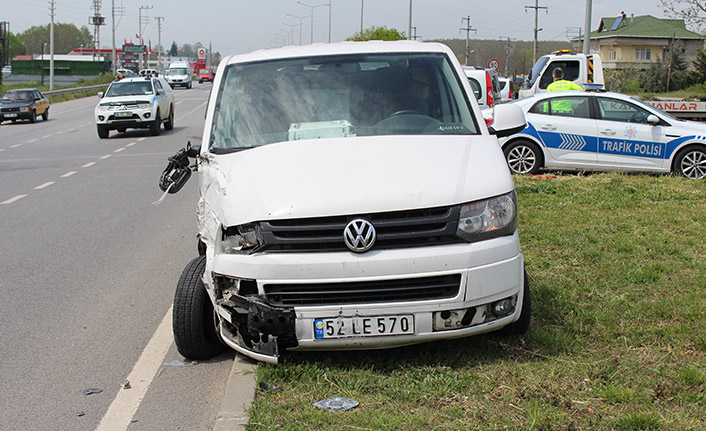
[
  {"x": 329, "y": 21},
  {"x": 301, "y": 20},
  {"x": 312, "y": 15}
]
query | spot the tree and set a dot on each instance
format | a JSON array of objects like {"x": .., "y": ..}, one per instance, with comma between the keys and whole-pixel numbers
[
  {"x": 378, "y": 33},
  {"x": 16, "y": 47},
  {"x": 187, "y": 50},
  {"x": 693, "y": 12},
  {"x": 173, "y": 52},
  {"x": 700, "y": 65},
  {"x": 66, "y": 38}
]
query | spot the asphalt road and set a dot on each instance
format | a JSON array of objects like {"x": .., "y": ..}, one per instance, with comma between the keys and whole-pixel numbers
[{"x": 88, "y": 268}]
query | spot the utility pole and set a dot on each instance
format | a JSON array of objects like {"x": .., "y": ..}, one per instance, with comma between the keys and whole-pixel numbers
[
  {"x": 312, "y": 15},
  {"x": 301, "y": 20},
  {"x": 97, "y": 20},
  {"x": 587, "y": 27},
  {"x": 146, "y": 21},
  {"x": 536, "y": 8},
  {"x": 362, "y": 4},
  {"x": 415, "y": 37},
  {"x": 467, "y": 29},
  {"x": 508, "y": 51},
  {"x": 409, "y": 28},
  {"x": 51, "y": 46},
  {"x": 120, "y": 13},
  {"x": 159, "y": 42}
]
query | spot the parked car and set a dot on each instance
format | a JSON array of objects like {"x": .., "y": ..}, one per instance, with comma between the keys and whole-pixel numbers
[
  {"x": 134, "y": 103},
  {"x": 603, "y": 131},
  {"x": 205, "y": 75},
  {"x": 484, "y": 85},
  {"x": 149, "y": 72},
  {"x": 125, "y": 73},
  {"x": 23, "y": 104},
  {"x": 401, "y": 225},
  {"x": 507, "y": 89}
]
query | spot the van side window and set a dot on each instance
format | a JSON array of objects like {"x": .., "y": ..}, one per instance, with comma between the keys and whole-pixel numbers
[{"x": 571, "y": 70}]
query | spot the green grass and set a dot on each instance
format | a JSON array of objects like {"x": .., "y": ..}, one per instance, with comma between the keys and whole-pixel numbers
[
  {"x": 617, "y": 341},
  {"x": 105, "y": 78}
]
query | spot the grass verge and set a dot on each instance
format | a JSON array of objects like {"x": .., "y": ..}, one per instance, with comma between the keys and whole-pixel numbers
[{"x": 617, "y": 341}]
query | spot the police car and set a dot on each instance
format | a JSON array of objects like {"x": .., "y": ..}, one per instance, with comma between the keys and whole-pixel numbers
[
  {"x": 134, "y": 103},
  {"x": 603, "y": 131}
]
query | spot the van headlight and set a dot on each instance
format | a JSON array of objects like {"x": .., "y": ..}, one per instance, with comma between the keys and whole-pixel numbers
[
  {"x": 489, "y": 218},
  {"x": 241, "y": 239}
]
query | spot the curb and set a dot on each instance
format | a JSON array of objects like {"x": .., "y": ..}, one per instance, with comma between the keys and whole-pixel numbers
[{"x": 239, "y": 394}]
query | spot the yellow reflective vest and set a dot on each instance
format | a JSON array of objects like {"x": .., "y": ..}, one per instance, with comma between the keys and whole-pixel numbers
[{"x": 563, "y": 85}]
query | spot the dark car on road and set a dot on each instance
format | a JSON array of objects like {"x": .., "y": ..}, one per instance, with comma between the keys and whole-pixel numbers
[{"x": 23, "y": 104}]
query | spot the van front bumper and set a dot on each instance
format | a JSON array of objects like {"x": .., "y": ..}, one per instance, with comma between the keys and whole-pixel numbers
[{"x": 486, "y": 272}]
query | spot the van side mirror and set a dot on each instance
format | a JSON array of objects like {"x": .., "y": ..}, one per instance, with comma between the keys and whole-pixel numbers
[
  {"x": 178, "y": 171},
  {"x": 508, "y": 119},
  {"x": 101, "y": 94}
]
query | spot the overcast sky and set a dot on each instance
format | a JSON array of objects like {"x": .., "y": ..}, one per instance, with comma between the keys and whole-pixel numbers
[{"x": 239, "y": 26}]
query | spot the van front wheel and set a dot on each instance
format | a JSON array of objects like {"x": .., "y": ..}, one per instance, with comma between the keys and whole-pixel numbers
[{"x": 194, "y": 320}]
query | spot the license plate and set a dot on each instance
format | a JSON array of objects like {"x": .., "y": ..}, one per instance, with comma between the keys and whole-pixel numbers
[
  {"x": 123, "y": 114},
  {"x": 10, "y": 115},
  {"x": 343, "y": 327}
]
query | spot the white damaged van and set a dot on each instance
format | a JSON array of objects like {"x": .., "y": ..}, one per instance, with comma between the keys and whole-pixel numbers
[{"x": 351, "y": 197}]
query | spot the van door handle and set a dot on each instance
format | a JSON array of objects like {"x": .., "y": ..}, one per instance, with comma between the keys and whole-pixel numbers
[
  {"x": 548, "y": 127},
  {"x": 608, "y": 132}
]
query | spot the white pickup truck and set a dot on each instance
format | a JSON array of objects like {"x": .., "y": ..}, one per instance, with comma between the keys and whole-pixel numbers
[{"x": 584, "y": 70}]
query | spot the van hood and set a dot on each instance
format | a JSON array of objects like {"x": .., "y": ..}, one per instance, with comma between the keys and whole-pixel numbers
[{"x": 346, "y": 176}]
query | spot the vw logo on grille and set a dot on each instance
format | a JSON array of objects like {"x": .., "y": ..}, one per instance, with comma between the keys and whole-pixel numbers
[{"x": 359, "y": 235}]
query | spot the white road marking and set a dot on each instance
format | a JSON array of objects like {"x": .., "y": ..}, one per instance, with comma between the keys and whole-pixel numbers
[
  {"x": 130, "y": 144},
  {"x": 105, "y": 157},
  {"x": 119, "y": 150},
  {"x": 2, "y": 149},
  {"x": 68, "y": 174},
  {"x": 127, "y": 401},
  {"x": 59, "y": 132},
  {"x": 88, "y": 165},
  {"x": 141, "y": 139},
  {"x": 32, "y": 140},
  {"x": 15, "y": 146},
  {"x": 11, "y": 200},
  {"x": 44, "y": 185},
  {"x": 46, "y": 136}
]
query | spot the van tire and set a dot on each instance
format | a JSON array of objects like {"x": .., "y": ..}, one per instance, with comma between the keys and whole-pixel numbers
[
  {"x": 523, "y": 157},
  {"x": 193, "y": 320},
  {"x": 103, "y": 132},
  {"x": 521, "y": 325}
]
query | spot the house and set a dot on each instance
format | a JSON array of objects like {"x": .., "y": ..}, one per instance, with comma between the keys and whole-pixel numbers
[{"x": 637, "y": 41}]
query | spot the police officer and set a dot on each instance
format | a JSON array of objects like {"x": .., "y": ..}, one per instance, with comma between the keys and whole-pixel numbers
[{"x": 561, "y": 84}]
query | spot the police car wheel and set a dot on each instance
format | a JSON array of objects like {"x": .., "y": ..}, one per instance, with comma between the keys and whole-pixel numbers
[
  {"x": 194, "y": 322},
  {"x": 691, "y": 163},
  {"x": 523, "y": 157}
]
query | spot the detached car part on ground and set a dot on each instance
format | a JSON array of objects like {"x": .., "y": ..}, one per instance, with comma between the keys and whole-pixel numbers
[
  {"x": 135, "y": 103},
  {"x": 603, "y": 131},
  {"x": 351, "y": 197},
  {"x": 23, "y": 104}
]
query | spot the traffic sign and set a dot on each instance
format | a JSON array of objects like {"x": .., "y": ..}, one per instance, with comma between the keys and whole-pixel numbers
[
  {"x": 139, "y": 49},
  {"x": 493, "y": 63}
]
